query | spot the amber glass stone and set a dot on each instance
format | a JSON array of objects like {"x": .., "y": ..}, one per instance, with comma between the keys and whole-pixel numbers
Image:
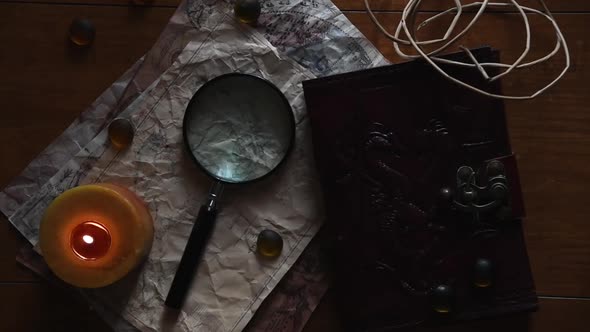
[
  {"x": 483, "y": 273},
  {"x": 247, "y": 11},
  {"x": 442, "y": 297},
  {"x": 82, "y": 32},
  {"x": 121, "y": 133},
  {"x": 269, "y": 243}
]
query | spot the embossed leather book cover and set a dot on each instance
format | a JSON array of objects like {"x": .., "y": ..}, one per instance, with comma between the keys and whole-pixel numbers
[{"x": 422, "y": 196}]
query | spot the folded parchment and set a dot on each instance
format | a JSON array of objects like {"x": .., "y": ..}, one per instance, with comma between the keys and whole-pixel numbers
[{"x": 314, "y": 33}]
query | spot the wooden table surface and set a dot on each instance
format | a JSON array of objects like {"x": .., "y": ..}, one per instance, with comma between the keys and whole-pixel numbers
[{"x": 43, "y": 88}]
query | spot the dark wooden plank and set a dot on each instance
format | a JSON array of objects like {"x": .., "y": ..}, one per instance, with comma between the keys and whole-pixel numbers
[
  {"x": 392, "y": 5},
  {"x": 146, "y": 3},
  {"x": 32, "y": 307},
  {"x": 397, "y": 5},
  {"x": 551, "y": 136},
  {"x": 554, "y": 315},
  {"x": 46, "y": 84},
  {"x": 11, "y": 241}
]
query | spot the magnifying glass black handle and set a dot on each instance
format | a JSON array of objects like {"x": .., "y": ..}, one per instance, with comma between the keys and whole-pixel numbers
[{"x": 191, "y": 256}]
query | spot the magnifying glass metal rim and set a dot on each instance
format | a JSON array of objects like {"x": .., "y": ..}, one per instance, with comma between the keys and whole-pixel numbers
[
  {"x": 205, "y": 222},
  {"x": 208, "y": 85}
]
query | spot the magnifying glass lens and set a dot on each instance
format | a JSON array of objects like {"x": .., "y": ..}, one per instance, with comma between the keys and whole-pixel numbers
[{"x": 238, "y": 128}]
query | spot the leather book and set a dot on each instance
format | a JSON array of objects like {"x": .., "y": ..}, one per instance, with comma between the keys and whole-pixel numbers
[{"x": 422, "y": 195}]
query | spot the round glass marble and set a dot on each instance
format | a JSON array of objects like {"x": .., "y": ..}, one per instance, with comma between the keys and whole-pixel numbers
[
  {"x": 269, "y": 243},
  {"x": 247, "y": 11},
  {"x": 121, "y": 133},
  {"x": 82, "y": 32}
]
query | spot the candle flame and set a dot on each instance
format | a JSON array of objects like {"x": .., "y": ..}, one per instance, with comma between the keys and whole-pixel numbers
[{"x": 88, "y": 239}]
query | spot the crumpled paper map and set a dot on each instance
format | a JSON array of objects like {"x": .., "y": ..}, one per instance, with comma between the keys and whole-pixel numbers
[
  {"x": 334, "y": 46},
  {"x": 232, "y": 281}
]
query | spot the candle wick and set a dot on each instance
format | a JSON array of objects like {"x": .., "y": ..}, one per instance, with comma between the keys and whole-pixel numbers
[{"x": 88, "y": 239}]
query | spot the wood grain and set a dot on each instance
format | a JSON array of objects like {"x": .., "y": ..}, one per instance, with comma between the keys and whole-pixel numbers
[
  {"x": 553, "y": 315},
  {"x": 40, "y": 307},
  {"x": 391, "y": 5},
  {"x": 11, "y": 241},
  {"x": 144, "y": 3},
  {"x": 397, "y": 5},
  {"x": 46, "y": 83},
  {"x": 551, "y": 135},
  {"x": 33, "y": 307}
]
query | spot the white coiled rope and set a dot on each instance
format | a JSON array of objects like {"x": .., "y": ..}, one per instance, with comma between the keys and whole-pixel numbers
[{"x": 409, "y": 13}]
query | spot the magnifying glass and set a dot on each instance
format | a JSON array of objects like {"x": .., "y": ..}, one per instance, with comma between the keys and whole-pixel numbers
[{"x": 238, "y": 128}]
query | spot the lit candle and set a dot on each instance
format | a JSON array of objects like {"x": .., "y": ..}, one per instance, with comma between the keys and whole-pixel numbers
[
  {"x": 90, "y": 240},
  {"x": 93, "y": 235}
]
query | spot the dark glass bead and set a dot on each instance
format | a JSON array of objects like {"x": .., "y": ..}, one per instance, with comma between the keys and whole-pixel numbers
[
  {"x": 445, "y": 197},
  {"x": 82, "y": 32},
  {"x": 121, "y": 133},
  {"x": 494, "y": 168},
  {"x": 445, "y": 194},
  {"x": 483, "y": 273},
  {"x": 269, "y": 243},
  {"x": 247, "y": 11},
  {"x": 442, "y": 298}
]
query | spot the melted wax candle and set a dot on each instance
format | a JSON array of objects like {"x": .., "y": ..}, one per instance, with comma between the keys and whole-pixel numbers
[{"x": 94, "y": 235}]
